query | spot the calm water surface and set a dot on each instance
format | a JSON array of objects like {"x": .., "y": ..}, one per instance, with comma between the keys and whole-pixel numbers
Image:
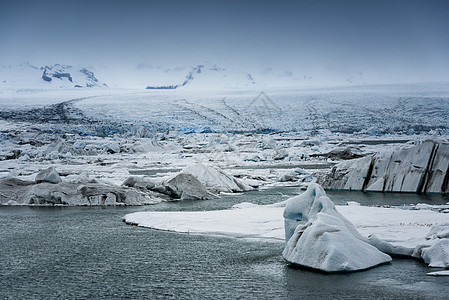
[{"x": 84, "y": 253}]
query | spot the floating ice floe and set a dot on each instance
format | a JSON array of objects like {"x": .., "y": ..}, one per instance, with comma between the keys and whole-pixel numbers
[
  {"x": 317, "y": 236},
  {"x": 439, "y": 273}
]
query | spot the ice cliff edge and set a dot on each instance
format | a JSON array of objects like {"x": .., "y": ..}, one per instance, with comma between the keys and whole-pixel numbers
[{"x": 423, "y": 168}]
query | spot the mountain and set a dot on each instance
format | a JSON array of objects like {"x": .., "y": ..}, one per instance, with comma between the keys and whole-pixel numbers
[
  {"x": 209, "y": 77},
  {"x": 206, "y": 76},
  {"x": 54, "y": 76}
]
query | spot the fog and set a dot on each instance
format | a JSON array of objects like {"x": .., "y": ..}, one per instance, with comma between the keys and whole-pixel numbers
[{"x": 386, "y": 41}]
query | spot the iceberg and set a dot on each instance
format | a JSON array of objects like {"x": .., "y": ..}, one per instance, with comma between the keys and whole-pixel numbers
[
  {"x": 318, "y": 237},
  {"x": 423, "y": 168},
  {"x": 437, "y": 255},
  {"x": 216, "y": 180},
  {"x": 186, "y": 187},
  {"x": 48, "y": 175},
  {"x": 49, "y": 189}
]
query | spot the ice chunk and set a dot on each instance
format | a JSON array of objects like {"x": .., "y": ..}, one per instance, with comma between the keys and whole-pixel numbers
[
  {"x": 244, "y": 205},
  {"x": 437, "y": 255},
  {"x": 79, "y": 145},
  {"x": 268, "y": 143},
  {"x": 290, "y": 176},
  {"x": 113, "y": 147},
  {"x": 319, "y": 237},
  {"x": 439, "y": 231},
  {"x": 139, "y": 182},
  {"x": 215, "y": 179},
  {"x": 389, "y": 248},
  {"x": 439, "y": 273},
  {"x": 11, "y": 203},
  {"x": 48, "y": 175},
  {"x": 186, "y": 186},
  {"x": 435, "y": 251}
]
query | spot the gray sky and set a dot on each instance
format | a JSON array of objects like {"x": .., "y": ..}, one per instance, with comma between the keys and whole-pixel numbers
[{"x": 407, "y": 40}]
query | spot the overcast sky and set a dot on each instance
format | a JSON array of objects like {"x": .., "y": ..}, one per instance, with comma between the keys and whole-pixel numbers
[{"x": 409, "y": 39}]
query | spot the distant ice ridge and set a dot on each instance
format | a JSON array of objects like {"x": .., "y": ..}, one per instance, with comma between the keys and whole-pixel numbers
[
  {"x": 422, "y": 169},
  {"x": 317, "y": 236}
]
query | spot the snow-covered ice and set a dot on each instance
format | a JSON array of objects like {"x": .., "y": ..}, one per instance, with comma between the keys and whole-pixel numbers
[{"x": 439, "y": 273}]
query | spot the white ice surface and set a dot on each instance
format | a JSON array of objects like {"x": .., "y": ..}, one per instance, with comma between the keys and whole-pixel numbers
[
  {"x": 439, "y": 273},
  {"x": 252, "y": 222},
  {"x": 398, "y": 226}
]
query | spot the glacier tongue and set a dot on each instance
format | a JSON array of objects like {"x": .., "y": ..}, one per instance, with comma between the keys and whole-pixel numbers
[
  {"x": 422, "y": 169},
  {"x": 319, "y": 237}
]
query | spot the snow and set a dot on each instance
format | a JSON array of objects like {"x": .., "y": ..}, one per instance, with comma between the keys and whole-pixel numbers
[
  {"x": 317, "y": 236},
  {"x": 250, "y": 222}
]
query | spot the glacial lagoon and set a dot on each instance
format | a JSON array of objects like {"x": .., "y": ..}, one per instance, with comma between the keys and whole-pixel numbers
[{"x": 89, "y": 252}]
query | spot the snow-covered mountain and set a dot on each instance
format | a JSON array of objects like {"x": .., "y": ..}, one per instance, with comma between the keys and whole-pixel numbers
[
  {"x": 54, "y": 76},
  {"x": 205, "y": 76},
  {"x": 212, "y": 76}
]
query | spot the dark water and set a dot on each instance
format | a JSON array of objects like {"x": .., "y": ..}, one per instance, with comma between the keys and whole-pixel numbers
[
  {"x": 84, "y": 253},
  {"x": 376, "y": 198}
]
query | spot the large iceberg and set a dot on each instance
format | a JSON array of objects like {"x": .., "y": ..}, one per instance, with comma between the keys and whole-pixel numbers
[
  {"x": 317, "y": 236},
  {"x": 422, "y": 169}
]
